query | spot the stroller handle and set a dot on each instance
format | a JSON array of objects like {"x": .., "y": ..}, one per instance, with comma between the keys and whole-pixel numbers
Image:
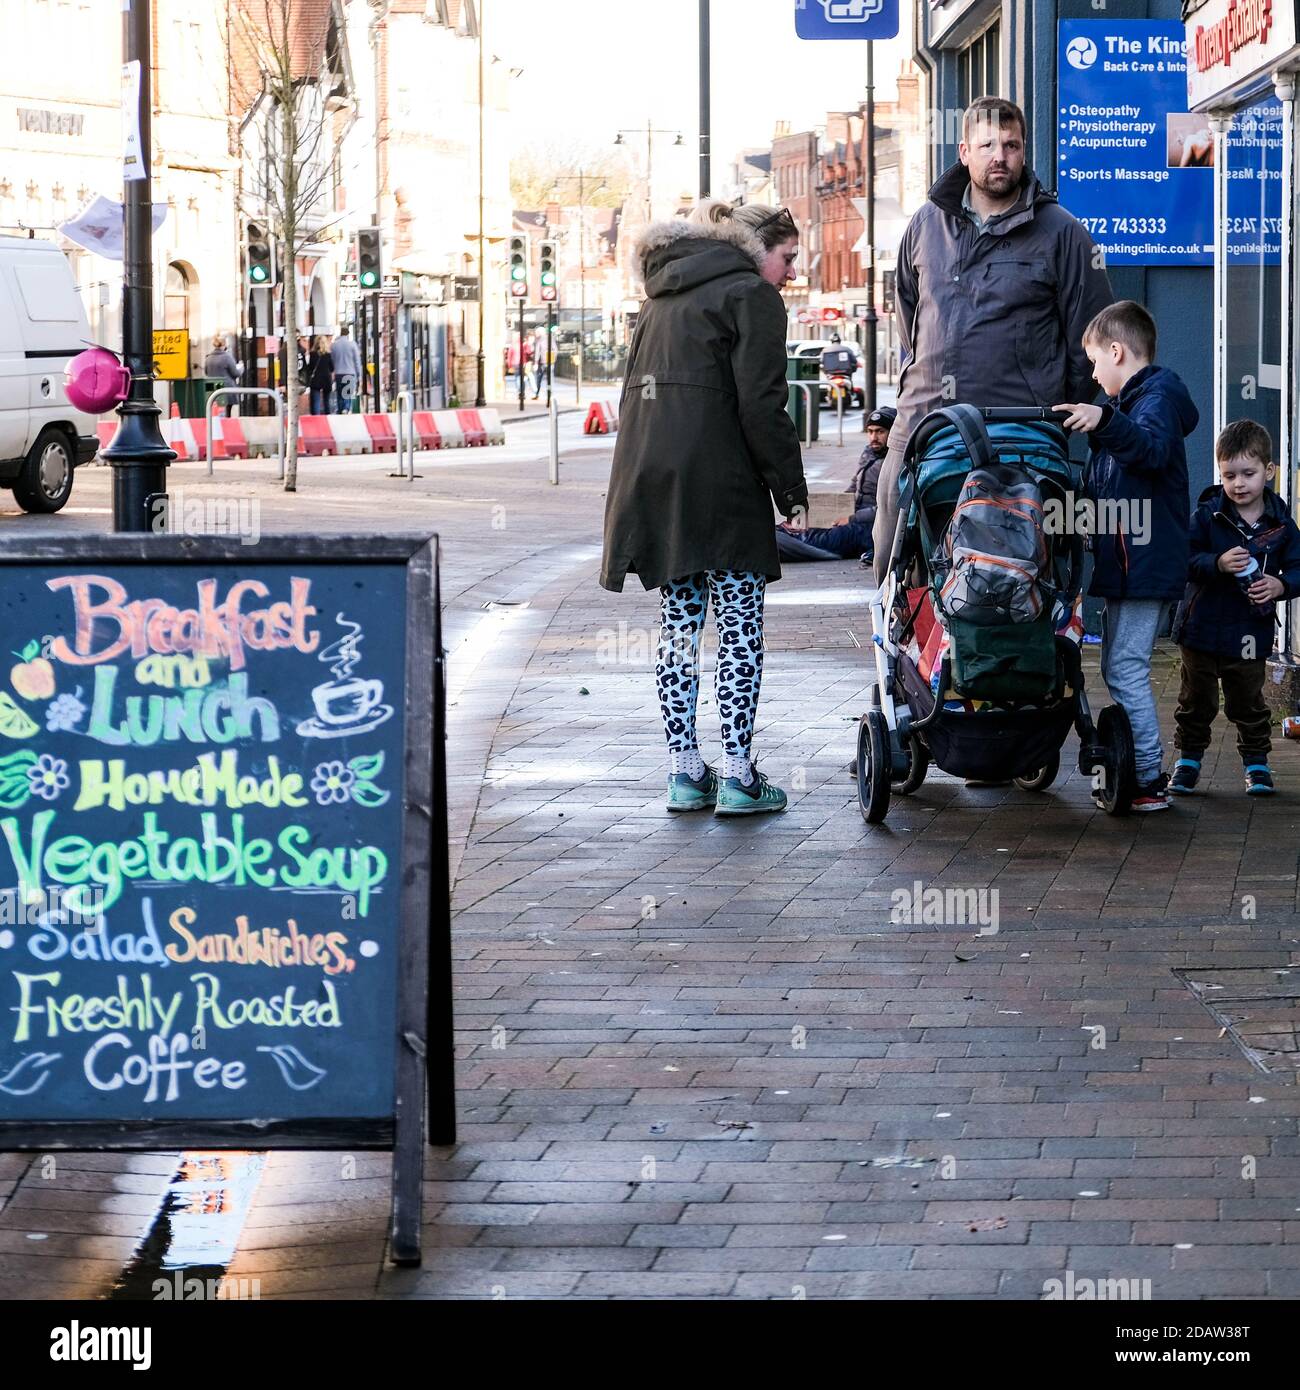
[{"x": 1021, "y": 412}]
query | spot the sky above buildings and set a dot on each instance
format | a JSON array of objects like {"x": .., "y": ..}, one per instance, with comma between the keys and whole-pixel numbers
[{"x": 593, "y": 67}]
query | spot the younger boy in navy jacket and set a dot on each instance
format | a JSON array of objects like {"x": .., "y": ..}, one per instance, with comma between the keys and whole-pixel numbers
[{"x": 1225, "y": 629}]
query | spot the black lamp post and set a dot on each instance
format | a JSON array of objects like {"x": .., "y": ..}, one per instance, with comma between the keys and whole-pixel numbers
[
  {"x": 138, "y": 453},
  {"x": 706, "y": 124},
  {"x": 869, "y": 375}
]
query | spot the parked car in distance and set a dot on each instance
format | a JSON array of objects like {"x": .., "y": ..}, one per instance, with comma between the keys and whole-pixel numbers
[{"x": 43, "y": 437}]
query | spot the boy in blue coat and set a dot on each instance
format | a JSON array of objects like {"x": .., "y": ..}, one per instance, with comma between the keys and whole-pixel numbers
[
  {"x": 1137, "y": 483},
  {"x": 1245, "y": 557}
]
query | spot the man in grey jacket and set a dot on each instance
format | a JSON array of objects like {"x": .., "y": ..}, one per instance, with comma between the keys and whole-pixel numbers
[
  {"x": 995, "y": 284},
  {"x": 346, "y": 361}
]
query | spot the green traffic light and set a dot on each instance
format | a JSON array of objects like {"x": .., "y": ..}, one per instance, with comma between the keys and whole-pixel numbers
[
  {"x": 258, "y": 274},
  {"x": 369, "y": 279}
]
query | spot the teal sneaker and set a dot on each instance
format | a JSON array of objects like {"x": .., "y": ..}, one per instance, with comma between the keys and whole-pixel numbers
[
  {"x": 686, "y": 795},
  {"x": 737, "y": 799}
]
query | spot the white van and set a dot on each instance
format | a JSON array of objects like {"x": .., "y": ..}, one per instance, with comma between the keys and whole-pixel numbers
[{"x": 42, "y": 324}]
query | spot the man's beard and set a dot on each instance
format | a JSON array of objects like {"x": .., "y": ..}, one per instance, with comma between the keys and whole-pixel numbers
[{"x": 999, "y": 184}]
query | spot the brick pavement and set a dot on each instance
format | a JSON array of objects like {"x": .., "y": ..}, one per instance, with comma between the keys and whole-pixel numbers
[{"x": 725, "y": 1071}]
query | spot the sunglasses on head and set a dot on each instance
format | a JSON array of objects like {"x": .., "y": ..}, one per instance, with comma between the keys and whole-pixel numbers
[{"x": 776, "y": 217}]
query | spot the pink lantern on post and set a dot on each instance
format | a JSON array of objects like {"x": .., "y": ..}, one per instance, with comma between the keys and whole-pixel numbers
[{"x": 96, "y": 380}]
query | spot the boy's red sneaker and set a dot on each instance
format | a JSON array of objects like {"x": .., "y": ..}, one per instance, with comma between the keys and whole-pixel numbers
[{"x": 1153, "y": 795}]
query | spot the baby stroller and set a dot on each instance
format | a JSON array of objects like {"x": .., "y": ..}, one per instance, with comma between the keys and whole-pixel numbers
[{"x": 984, "y": 702}]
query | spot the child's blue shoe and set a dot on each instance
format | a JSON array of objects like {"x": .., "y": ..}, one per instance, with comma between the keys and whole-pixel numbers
[
  {"x": 1259, "y": 780},
  {"x": 1187, "y": 772}
]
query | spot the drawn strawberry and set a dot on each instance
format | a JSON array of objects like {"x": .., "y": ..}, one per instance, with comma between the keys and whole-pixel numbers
[{"x": 33, "y": 679}]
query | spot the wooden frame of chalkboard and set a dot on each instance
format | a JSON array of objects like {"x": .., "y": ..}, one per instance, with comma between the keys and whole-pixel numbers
[{"x": 423, "y": 1024}]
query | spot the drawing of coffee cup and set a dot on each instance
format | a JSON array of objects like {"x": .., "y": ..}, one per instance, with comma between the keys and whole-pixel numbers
[{"x": 347, "y": 701}]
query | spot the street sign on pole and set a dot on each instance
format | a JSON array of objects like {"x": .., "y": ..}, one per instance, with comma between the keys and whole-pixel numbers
[
  {"x": 846, "y": 19},
  {"x": 171, "y": 354}
]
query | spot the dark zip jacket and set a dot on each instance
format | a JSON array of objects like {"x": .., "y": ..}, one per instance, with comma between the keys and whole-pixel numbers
[
  {"x": 1138, "y": 458},
  {"x": 704, "y": 445},
  {"x": 1215, "y": 615},
  {"x": 993, "y": 317}
]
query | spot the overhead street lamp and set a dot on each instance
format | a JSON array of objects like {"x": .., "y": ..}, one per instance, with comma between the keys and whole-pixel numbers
[{"x": 649, "y": 131}]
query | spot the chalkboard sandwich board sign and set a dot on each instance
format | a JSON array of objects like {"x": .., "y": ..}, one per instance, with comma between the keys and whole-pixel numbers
[{"x": 223, "y": 848}]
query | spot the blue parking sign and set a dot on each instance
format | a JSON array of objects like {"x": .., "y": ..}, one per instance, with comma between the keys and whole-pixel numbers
[{"x": 846, "y": 19}]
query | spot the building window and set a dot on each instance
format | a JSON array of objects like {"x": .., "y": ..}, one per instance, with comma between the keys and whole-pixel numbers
[{"x": 979, "y": 66}]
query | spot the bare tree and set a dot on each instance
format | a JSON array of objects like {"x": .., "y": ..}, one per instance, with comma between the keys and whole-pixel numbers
[
  {"x": 280, "y": 67},
  {"x": 535, "y": 169}
]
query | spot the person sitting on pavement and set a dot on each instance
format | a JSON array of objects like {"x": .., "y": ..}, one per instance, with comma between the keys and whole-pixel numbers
[{"x": 848, "y": 537}]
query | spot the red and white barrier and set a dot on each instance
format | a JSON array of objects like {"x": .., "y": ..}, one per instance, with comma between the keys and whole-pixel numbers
[
  {"x": 253, "y": 436},
  {"x": 602, "y": 418},
  {"x": 348, "y": 432}
]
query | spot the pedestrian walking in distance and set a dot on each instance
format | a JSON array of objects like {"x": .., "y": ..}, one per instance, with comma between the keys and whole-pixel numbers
[
  {"x": 220, "y": 363},
  {"x": 346, "y": 360},
  {"x": 320, "y": 376},
  {"x": 704, "y": 448}
]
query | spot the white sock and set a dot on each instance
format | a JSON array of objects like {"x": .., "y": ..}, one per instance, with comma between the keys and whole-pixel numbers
[
  {"x": 738, "y": 765},
  {"x": 689, "y": 762}
]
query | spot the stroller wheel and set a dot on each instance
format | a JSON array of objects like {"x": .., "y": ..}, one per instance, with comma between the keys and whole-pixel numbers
[
  {"x": 873, "y": 767},
  {"x": 1115, "y": 781},
  {"x": 1042, "y": 779},
  {"x": 918, "y": 764}
]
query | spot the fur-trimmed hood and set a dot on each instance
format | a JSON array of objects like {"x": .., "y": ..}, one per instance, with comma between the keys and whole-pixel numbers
[{"x": 678, "y": 255}]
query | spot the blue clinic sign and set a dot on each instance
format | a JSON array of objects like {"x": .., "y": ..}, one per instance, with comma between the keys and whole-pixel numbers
[
  {"x": 1122, "y": 88},
  {"x": 846, "y": 19},
  {"x": 1136, "y": 168}
]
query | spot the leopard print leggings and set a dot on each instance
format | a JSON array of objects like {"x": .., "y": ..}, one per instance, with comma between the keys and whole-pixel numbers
[{"x": 738, "y": 612}]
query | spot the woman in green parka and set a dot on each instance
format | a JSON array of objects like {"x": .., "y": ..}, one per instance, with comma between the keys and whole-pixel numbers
[{"x": 705, "y": 447}]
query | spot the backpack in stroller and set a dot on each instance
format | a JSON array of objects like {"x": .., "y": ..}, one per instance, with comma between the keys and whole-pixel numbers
[{"x": 976, "y": 629}]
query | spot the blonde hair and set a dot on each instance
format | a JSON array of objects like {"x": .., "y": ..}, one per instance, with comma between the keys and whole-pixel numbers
[{"x": 766, "y": 223}]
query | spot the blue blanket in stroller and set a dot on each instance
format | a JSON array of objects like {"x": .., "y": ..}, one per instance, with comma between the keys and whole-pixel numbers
[{"x": 946, "y": 462}]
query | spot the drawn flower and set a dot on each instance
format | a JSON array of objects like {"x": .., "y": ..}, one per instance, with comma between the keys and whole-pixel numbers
[
  {"x": 64, "y": 713},
  {"x": 49, "y": 777},
  {"x": 332, "y": 782}
]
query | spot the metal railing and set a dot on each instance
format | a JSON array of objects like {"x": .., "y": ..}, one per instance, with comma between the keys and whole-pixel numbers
[
  {"x": 841, "y": 387},
  {"x": 405, "y": 404},
  {"x": 250, "y": 391},
  {"x": 811, "y": 404}
]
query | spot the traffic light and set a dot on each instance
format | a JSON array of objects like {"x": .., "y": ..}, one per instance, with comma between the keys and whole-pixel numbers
[
  {"x": 549, "y": 276},
  {"x": 260, "y": 256},
  {"x": 370, "y": 270},
  {"x": 519, "y": 267}
]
